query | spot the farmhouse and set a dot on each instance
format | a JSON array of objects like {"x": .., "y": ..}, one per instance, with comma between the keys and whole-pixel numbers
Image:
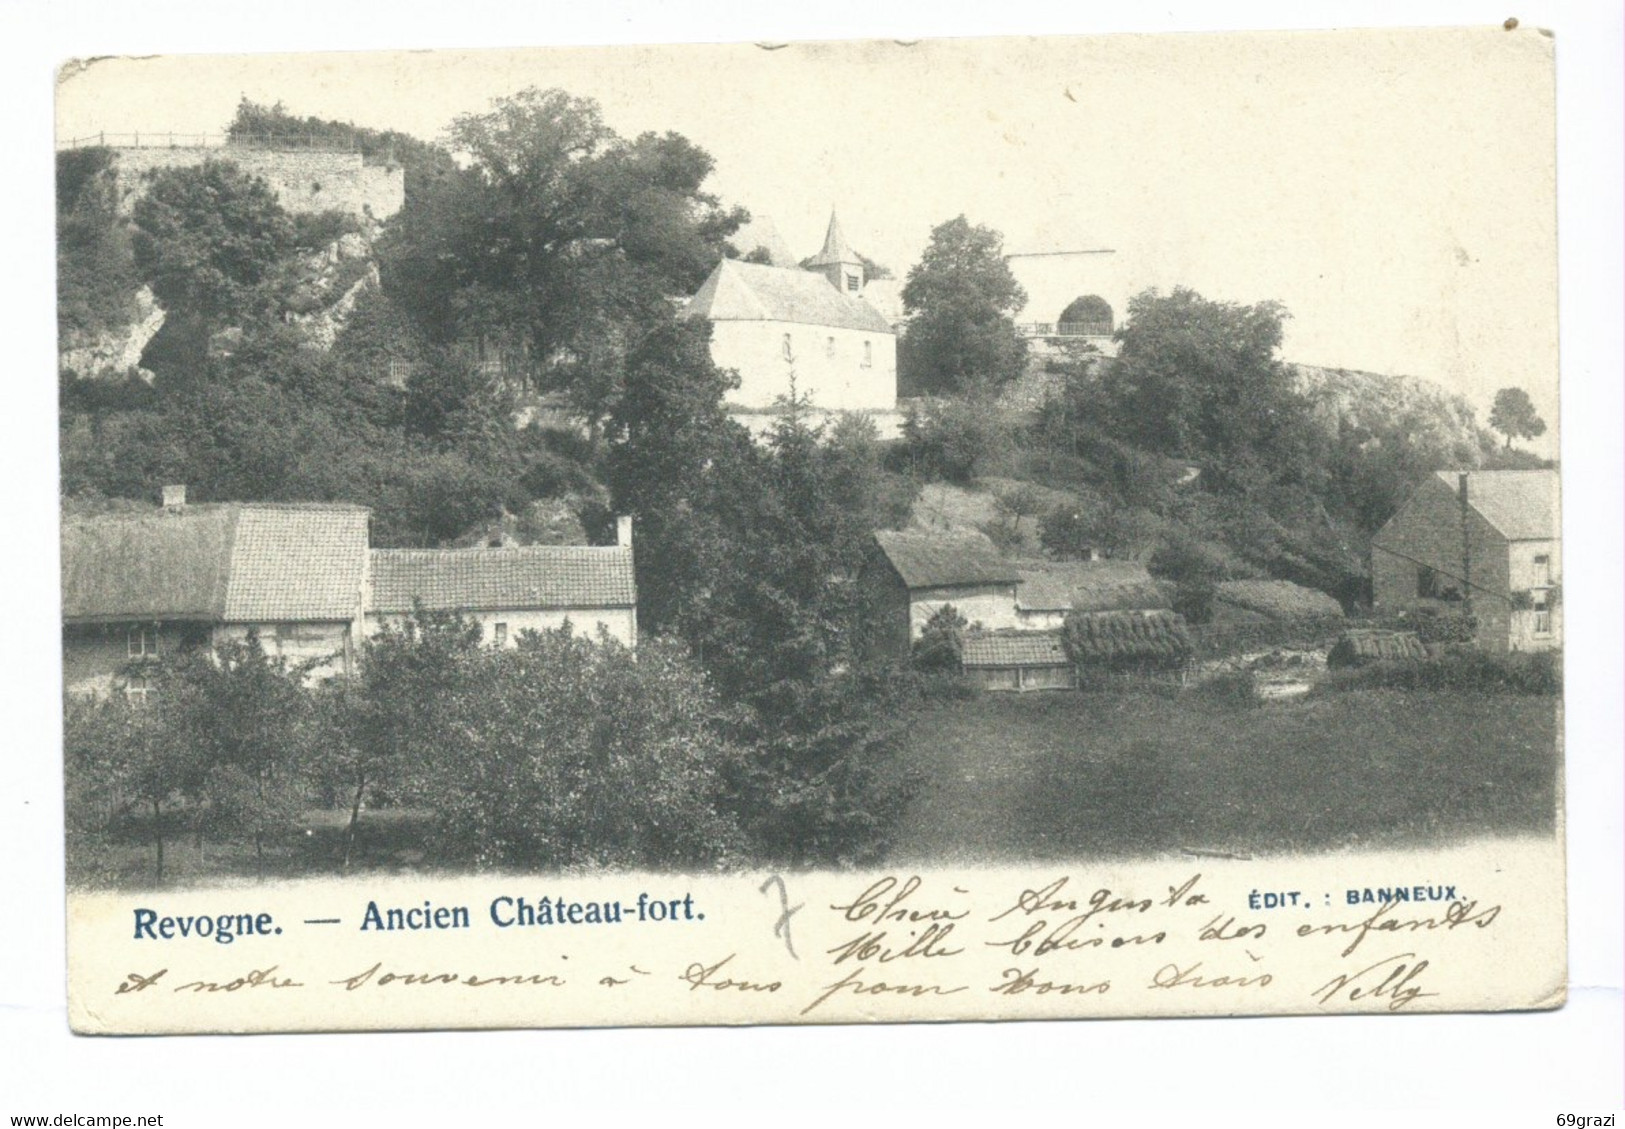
[
  {"x": 1488, "y": 541},
  {"x": 1014, "y": 611},
  {"x": 510, "y": 590},
  {"x": 302, "y": 579},
  {"x": 138, "y": 586},
  {"x": 781, "y": 327}
]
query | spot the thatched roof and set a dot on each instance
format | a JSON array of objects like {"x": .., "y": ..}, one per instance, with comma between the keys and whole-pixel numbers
[
  {"x": 534, "y": 576},
  {"x": 944, "y": 560},
  {"x": 1089, "y": 586},
  {"x": 1278, "y": 599},
  {"x": 1127, "y": 636},
  {"x": 217, "y": 563},
  {"x": 740, "y": 291},
  {"x": 1014, "y": 648},
  {"x": 1356, "y": 648}
]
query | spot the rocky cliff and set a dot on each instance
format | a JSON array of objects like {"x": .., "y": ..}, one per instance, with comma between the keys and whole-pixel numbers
[
  {"x": 1382, "y": 408},
  {"x": 318, "y": 292},
  {"x": 116, "y": 351}
]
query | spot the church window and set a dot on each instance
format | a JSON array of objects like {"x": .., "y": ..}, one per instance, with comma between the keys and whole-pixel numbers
[
  {"x": 868, "y": 355},
  {"x": 829, "y": 348},
  {"x": 789, "y": 348}
]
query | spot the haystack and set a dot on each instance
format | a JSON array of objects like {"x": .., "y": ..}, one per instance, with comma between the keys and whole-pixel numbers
[
  {"x": 1127, "y": 638},
  {"x": 1357, "y": 648}
]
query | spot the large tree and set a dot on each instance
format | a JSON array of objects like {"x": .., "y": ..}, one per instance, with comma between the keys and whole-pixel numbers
[
  {"x": 1513, "y": 415},
  {"x": 561, "y": 240},
  {"x": 1199, "y": 379},
  {"x": 962, "y": 298}
]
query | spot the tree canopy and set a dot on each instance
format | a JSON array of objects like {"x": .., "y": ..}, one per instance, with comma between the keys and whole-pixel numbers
[
  {"x": 1199, "y": 379},
  {"x": 560, "y": 239},
  {"x": 1513, "y": 415},
  {"x": 206, "y": 236},
  {"x": 963, "y": 298}
]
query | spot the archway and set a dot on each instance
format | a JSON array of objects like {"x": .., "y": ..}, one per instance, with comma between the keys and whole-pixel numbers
[{"x": 1086, "y": 316}]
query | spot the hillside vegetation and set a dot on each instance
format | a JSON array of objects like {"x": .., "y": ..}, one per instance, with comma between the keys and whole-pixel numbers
[{"x": 312, "y": 359}]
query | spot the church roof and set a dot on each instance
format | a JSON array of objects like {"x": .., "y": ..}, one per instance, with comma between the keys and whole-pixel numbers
[
  {"x": 836, "y": 249},
  {"x": 739, "y": 291}
]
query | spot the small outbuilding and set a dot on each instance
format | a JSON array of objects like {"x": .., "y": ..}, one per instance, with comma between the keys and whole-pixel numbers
[{"x": 1018, "y": 660}]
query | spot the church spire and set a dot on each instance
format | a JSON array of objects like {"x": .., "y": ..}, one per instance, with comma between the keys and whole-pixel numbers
[{"x": 837, "y": 261}]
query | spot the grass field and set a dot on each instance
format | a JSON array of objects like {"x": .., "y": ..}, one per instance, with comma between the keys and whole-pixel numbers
[
  {"x": 1077, "y": 775},
  {"x": 1014, "y": 777}
]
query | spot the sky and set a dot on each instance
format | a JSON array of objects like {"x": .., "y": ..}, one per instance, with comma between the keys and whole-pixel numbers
[{"x": 1393, "y": 189}]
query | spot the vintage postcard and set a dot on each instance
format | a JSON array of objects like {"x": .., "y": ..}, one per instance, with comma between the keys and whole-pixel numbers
[{"x": 811, "y": 532}]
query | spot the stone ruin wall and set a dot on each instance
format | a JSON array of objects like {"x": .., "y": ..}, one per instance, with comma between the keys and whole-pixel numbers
[{"x": 304, "y": 180}]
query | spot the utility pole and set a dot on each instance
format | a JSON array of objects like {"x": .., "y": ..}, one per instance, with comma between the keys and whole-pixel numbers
[{"x": 1466, "y": 548}]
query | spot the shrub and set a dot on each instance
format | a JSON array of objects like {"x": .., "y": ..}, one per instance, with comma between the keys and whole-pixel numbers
[
  {"x": 313, "y": 231},
  {"x": 1234, "y": 687},
  {"x": 954, "y": 441},
  {"x": 941, "y": 645},
  {"x": 1459, "y": 669}
]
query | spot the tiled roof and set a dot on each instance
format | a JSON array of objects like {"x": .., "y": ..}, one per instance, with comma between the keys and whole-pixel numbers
[
  {"x": 297, "y": 563},
  {"x": 535, "y": 576},
  {"x": 1088, "y": 586},
  {"x": 944, "y": 560},
  {"x": 230, "y": 563},
  {"x": 739, "y": 291},
  {"x": 1521, "y": 504},
  {"x": 1026, "y": 648}
]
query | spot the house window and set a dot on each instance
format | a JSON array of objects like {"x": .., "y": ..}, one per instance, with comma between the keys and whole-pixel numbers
[
  {"x": 1543, "y": 570},
  {"x": 789, "y": 348},
  {"x": 1433, "y": 585},
  {"x": 1540, "y": 601},
  {"x": 868, "y": 355},
  {"x": 138, "y": 691},
  {"x": 499, "y": 634},
  {"x": 141, "y": 642}
]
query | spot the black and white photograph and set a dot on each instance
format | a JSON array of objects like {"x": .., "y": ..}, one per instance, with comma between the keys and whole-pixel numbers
[{"x": 812, "y": 532}]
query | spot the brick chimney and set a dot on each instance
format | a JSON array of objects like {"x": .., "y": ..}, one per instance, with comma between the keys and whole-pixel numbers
[
  {"x": 623, "y": 531},
  {"x": 175, "y": 497}
]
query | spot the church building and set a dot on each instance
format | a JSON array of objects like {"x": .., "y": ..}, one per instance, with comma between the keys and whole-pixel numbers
[{"x": 782, "y": 325}]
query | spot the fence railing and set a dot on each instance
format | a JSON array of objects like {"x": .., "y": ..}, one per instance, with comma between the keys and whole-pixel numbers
[
  {"x": 1065, "y": 329},
  {"x": 315, "y": 141}
]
